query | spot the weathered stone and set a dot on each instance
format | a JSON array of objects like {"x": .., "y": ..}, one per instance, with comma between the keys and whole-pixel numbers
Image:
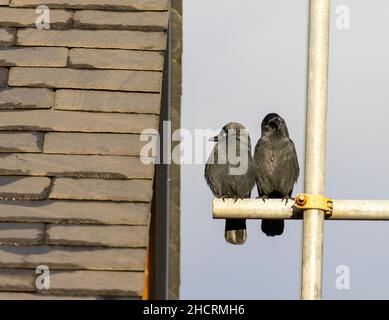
[
  {"x": 76, "y": 212},
  {"x": 96, "y": 4},
  {"x": 112, "y": 190},
  {"x": 17, "y": 280},
  {"x": 89, "y": 166},
  {"x": 151, "y": 21},
  {"x": 113, "y": 39},
  {"x": 26, "y": 98},
  {"x": 177, "y": 35},
  {"x": 21, "y": 234},
  {"x": 7, "y": 37},
  {"x": 52, "y": 120},
  {"x": 12, "y": 17},
  {"x": 34, "y": 57},
  {"x": 177, "y": 6},
  {"x": 3, "y": 77},
  {"x": 115, "y": 59},
  {"x": 83, "y": 121},
  {"x": 107, "y": 101},
  {"x": 24, "y": 188},
  {"x": 33, "y": 296},
  {"x": 174, "y": 273},
  {"x": 124, "y": 80},
  {"x": 57, "y": 257},
  {"x": 110, "y": 236},
  {"x": 175, "y": 92},
  {"x": 97, "y": 283},
  {"x": 20, "y": 142},
  {"x": 92, "y": 143},
  {"x": 4, "y": 2}
]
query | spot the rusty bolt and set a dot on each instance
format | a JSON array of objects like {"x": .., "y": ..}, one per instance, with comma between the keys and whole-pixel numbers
[{"x": 301, "y": 200}]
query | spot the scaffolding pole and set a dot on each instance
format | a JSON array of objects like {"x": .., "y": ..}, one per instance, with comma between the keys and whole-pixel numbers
[
  {"x": 276, "y": 209},
  {"x": 315, "y": 149}
]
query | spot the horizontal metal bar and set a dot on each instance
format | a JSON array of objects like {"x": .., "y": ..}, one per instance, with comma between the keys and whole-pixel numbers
[{"x": 276, "y": 209}]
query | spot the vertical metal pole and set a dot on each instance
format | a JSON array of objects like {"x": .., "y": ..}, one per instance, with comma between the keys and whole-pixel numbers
[{"x": 312, "y": 264}]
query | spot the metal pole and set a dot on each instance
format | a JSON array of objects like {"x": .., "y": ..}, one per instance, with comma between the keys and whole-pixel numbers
[
  {"x": 312, "y": 257},
  {"x": 275, "y": 209}
]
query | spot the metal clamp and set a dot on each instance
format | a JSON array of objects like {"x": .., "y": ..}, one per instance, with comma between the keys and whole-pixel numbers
[{"x": 314, "y": 201}]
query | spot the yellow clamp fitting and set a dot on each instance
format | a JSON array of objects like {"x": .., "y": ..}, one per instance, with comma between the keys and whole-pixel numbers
[{"x": 314, "y": 201}]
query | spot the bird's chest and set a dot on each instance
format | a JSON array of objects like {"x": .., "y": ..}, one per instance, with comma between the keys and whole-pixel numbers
[
  {"x": 270, "y": 158},
  {"x": 270, "y": 161},
  {"x": 275, "y": 158}
]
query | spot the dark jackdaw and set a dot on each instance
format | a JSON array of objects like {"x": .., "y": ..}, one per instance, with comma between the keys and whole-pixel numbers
[
  {"x": 230, "y": 173},
  {"x": 277, "y": 167}
]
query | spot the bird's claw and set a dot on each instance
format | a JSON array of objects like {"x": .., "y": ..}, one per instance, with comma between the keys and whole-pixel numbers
[
  {"x": 286, "y": 199},
  {"x": 238, "y": 198},
  {"x": 264, "y": 198},
  {"x": 235, "y": 198}
]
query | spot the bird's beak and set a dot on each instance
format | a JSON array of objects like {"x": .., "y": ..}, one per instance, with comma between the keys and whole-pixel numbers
[
  {"x": 214, "y": 139},
  {"x": 274, "y": 122}
]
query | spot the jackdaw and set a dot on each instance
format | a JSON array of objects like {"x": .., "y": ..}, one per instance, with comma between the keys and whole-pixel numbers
[
  {"x": 277, "y": 167},
  {"x": 230, "y": 173}
]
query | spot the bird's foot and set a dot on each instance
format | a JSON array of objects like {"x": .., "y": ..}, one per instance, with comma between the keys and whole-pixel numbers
[
  {"x": 264, "y": 198},
  {"x": 237, "y": 198},
  {"x": 286, "y": 199}
]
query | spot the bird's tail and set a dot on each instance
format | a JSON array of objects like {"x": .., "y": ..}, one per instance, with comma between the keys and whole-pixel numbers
[
  {"x": 272, "y": 228},
  {"x": 235, "y": 231}
]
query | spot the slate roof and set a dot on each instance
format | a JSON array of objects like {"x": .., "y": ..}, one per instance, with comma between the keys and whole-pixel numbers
[{"x": 74, "y": 193}]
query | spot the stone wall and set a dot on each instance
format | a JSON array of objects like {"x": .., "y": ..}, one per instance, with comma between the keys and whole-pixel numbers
[{"x": 176, "y": 77}]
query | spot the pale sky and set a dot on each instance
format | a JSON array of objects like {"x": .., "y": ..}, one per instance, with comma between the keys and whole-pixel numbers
[{"x": 244, "y": 59}]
